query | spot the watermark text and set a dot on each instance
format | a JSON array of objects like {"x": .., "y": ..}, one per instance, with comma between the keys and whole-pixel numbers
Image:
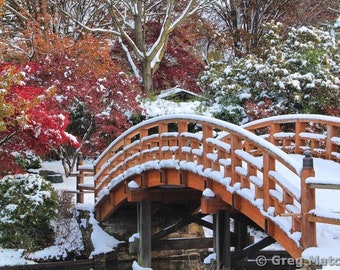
[{"x": 277, "y": 260}]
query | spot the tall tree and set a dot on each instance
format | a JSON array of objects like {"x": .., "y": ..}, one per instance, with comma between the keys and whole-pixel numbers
[
  {"x": 244, "y": 20},
  {"x": 181, "y": 49},
  {"x": 129, "y": 24},
  {"x": 22, "y": 20},
  {"x": 92, "y": 88}
]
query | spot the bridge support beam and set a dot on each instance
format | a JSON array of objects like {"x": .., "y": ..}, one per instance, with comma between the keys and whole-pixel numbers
[
  {"x": 241, "y": 233},
  {"x": 144, "y": 229},
  {"x": 222, "y": 239}
]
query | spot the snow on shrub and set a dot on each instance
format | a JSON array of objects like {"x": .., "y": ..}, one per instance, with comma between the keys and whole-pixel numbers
[
  {"x": 298, "y": 74},
  {"x": 27, "y": 207}
]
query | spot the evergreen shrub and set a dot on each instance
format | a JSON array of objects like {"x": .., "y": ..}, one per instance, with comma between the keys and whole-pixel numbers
[{"x": 27, "y": 207}]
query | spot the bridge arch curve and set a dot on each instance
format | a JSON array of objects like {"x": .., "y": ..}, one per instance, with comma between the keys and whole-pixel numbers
[{"x": 245, "y": 171}]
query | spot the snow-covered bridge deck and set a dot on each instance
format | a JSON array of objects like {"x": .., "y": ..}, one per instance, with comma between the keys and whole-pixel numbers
[{"x": 249, "y": 169}]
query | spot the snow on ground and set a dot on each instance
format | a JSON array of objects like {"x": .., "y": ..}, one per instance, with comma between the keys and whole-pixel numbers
[
  {"x": 162, "y": 106},
  {"x": 102, "y": 242},
  {"x": 13, "y": 257}
]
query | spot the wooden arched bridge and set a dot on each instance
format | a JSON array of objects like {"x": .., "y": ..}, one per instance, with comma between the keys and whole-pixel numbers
[{"x": 227, "y": 170}]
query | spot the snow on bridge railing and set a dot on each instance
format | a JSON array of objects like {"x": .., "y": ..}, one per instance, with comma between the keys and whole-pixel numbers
[
  {"x": 239, "y": 159},
  {"x": 297, "y": 132},
  {"x": 245, "y": 163}
]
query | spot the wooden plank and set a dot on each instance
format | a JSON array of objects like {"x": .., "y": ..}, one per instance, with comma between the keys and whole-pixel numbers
[
  {"x": 163, "y": 194},
  {"x": 323, "y": 186},
  {"x": 172, "y": 228},
  {"x": 283, "y": 239},
  {"x": 315, "y": 219},
  {"x": 182, "y": 243},
  {"x": 86, "y": 187},
  {"x": 253, "y": 248},
  {"x": 213, "y": 205},
  {"x": 179, "y": 212},
  {"x": 308, "y": 202},
  {"x": 249, "y": 210}
]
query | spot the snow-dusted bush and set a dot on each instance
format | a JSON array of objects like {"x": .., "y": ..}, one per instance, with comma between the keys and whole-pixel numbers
[
  {"x": 28, "y": 204},
  {"x": 298, "y": 74},
  {"x": 28, "y": 160}
]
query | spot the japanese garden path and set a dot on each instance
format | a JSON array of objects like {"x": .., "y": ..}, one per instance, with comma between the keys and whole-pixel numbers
[{"x": 247, "y": 169}]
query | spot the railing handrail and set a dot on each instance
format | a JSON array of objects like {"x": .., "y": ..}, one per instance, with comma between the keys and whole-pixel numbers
[
  {"x": 291, "y": 118},
  {"x": 232, "y": 128},
  {"x": 320, "y": 132}
]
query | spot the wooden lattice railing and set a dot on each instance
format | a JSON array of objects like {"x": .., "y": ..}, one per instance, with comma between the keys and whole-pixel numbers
[
  {"x": 244, "y": 163},
  {"x": 296, "y": 133}
]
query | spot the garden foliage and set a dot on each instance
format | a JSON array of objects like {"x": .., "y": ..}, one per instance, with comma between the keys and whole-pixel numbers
[
  {"x": 298, "y": 74},
  {"x": 27, "y": 207}
]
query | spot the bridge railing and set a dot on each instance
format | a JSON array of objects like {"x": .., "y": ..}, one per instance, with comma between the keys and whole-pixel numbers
[
  {"x": 220, "y": 151},
  {"x": 258, "y": 169},
  {"x": 296, "y": 133}
]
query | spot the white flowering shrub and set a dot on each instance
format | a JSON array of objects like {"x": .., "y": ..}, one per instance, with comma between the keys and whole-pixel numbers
[
  {"x": 298, "y": 74},
  {"x": 27, "y": 207}
]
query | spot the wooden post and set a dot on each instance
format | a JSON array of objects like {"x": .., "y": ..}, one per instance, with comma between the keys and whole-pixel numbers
[
  {"x": 207, "y": 133},
  {"x": 241, "y": 233},
  {"x": 182, "y": 127},
  {"x": 144, "y": 229},
  {"x": 222, "y": 240},
  {"x": 308, "y": 229},
  {"x": 274, "y": 128},
  {"x": 268, "y": 184},
  {"x": 236, "y": 143},
  {"x": 80, "y": 178},
  {"x": 330, "y": 147},
  {"x": 299, "y": 127}
]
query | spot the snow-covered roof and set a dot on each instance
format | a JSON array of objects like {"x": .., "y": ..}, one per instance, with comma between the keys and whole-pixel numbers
[{"x": 178, "y": 93}]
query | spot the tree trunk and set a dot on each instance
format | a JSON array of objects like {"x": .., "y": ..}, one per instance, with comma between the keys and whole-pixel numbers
[{"x": 147, "y": 75}]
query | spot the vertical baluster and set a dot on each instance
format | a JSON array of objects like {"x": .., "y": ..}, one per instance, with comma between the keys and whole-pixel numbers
[
  {"x": 182, "y": 127},
  {"x": 268, "y": 184},
  {"x": 299, "y": 128},
  {"x": 207, "y": 133},
  {"x": 236, "y": 143},
  {"x": 332, "y": 131},
  {"x": 80, "y": 178}
]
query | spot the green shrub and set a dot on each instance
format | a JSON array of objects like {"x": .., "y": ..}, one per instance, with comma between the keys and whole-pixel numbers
[
  {"x": 27, "y": 207},
  {"x": 28, "y": 161}
]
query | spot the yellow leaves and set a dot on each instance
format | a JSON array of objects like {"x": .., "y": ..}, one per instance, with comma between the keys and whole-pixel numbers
[
  {"x": 16, "y": 99},
  {"x": 6, "y": 111}
]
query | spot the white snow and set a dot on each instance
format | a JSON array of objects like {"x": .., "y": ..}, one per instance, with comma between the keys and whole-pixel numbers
[
  {"x": 210, "y": 258},
  {"x": 136, "y": 266},
  {"x": 134, "y": 237},
  {"x": 133, "y": 185},
  {"x": 102, "y": 241},
  {"x": 13, "y": 257},
  {"x": 208, "y": 193}
]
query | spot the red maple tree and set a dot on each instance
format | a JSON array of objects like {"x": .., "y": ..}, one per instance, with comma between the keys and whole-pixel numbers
[
  {"x": 28, "y": 121},
  {"x": 91, "y": 87}
]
